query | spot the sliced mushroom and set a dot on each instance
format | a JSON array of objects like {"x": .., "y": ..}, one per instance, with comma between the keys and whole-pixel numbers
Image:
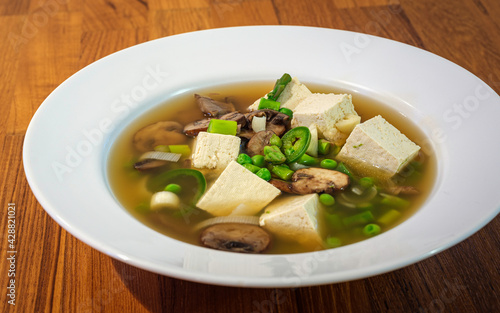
[
  {"x": 160, "y": 133},
  {"x": 277, "y": 122},
  {"x": 194, "y": 128},
  {"x": 154, "y": 159},
  {"x": 213, "y": 107},
  {"x": 236, "y": 237},
  {"x": 318, "y": 180},
  {"x": 313, "y": 180},
  {"x": 235, "y": 116},
  {"x": 148, "y": 164},
  {"x": 258, "y": 142},
  {"x": 403, "y": 190}
]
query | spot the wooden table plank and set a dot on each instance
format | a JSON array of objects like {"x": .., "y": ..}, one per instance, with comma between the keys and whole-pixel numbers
[{"x": 45, "y": 42}]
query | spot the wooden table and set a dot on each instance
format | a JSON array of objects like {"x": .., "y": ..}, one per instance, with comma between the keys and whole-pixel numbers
[{"x": 44, "y": 42}]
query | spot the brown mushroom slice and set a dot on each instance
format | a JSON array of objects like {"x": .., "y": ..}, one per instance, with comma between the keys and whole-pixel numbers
[
  {"x": 194, "y": 128},
  {"x": 236, "y": 237},
  {"x": 258, "y": 142},
  {"x": 282, "y": 185},
  {"x": 213, "y": 107},
  {"x": 276, "y": 121},
  {"x": 160, "y": 133},
  {"x": 403, "y": 190},
  {"x": 318, "y": 180}
]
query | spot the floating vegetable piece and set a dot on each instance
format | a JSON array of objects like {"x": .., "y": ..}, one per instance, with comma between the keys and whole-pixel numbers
[
  {"x": 213, "y": 107},
  {"x": 273, "y": 154},
  {"x": 164, "y": 200},
  {"x": 236, "y": 237},
  {"x": 160, "y": 133},
  {"x": 154, "y": 159},
  {"x": 269, "y": 104},
  {"x": 324, "y": 146},
  {"x": 260, "y": 140},
  {"x": 240, "y": 219},
  {"x": 223, "y": 127},
  {"x": 279, "y": 86},
  {"x": 312, "y": 149},
  {"x": 184, "y": 150},
  {"x": 259, "y": 123},
  {"x": 295, "y": 143},
  {"x": 192, "y": 182}
]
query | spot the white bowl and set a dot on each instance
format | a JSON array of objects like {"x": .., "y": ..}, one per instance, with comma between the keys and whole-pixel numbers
[{"x": 68, "y": 140}]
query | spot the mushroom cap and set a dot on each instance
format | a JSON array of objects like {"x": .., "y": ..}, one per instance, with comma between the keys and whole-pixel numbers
[
  {"x": 236, "y": 237},
  {"x": 258, "y": 142},
  {"x": 160, "y": 133}
]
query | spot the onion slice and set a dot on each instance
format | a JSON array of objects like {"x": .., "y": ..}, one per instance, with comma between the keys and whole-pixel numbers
[
  {"x": 259, "y": 123},
  {"x": 241, "y": 219},
  {"x": 161, "y": 156}
]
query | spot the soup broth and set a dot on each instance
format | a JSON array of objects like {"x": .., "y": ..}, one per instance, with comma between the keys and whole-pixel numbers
[{"x": 129, "y": 185}]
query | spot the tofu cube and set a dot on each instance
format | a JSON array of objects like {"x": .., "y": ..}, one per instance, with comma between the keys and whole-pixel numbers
[
  {"x": 237, "y": 191},
  {"x": 376, "y": 147},
  {"x": 290, "y": 97},
  {"x": 215, "y": 151},
  {"x": 333, "y": 114},
  {"x": 294, "y": 218}
]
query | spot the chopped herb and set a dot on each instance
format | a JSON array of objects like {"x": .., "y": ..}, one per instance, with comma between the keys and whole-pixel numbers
[{"x": 357, "y": 146}]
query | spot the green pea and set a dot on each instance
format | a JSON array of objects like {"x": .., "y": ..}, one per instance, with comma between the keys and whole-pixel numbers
[
  {"x": 327, "y": 199},
  {"x": 328, "y": 164},
  {"x": 244, "y": 158},
  {"x": 258, "y": 160},
  {"x": 371, "y": 230},
  {"x": 173, "y": 188},
  {"x": 264, "y": 174}
]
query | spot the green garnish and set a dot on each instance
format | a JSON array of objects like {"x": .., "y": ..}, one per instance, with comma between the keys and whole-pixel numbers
[
  {"x": 223, "y": 127},
  {"x": 279, "y": 86}
]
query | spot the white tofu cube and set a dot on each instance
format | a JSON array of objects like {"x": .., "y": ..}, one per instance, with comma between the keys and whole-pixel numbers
[
  {"x": 290, "y": 97},
  {"x": 294, "y": 218},
  {"x": 215, "y": 151},
  {"x": 376, "y": 147},
  {"x": 329, "y": 112},
  {"x": 237, "y": 191}
]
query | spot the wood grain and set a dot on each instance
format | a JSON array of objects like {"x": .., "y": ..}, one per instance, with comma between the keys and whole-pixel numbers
[{"x": 45, "y": 42}]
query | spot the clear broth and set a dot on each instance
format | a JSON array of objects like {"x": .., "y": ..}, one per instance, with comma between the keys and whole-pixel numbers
[{"x": 129, "y": 189}]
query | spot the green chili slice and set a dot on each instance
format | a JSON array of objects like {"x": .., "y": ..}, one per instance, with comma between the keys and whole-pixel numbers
[
  {"x": 295, "y": 143},
  {"x": 192, "y": 182}
]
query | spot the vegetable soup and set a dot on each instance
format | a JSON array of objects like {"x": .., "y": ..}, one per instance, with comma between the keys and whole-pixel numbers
[{"x": 254, "y": 169}]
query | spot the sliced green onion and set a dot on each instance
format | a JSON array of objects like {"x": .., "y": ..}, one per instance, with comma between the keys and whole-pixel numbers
[
  {"x": 275, "y": 141},
  {"x": 161, "y": 148},
  {"x": 274, "y": 155},
  {"x": 223, "y": 127},
  {"x": 312, "y": 149},
  {"x": 308, "y": 160},
  {"x": 389, "y": 217},
  {"x": 341, "y": 167},
  {"x": 358, "y": 219},
  {"x": 287, "y": 112},
  {"x": 367, "y": 182},
  {"x": 324, "y": 146},
  {"x": 282, "y": 172},
  {"x": 394, "y": 201},
  {"x": 333, "y": 242},
  {"x": 181, "y": 149},
  {"x": 279, "y": 86},
  {"x": 269, "y": 104},
  {"x": 252, "y": 168}
]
